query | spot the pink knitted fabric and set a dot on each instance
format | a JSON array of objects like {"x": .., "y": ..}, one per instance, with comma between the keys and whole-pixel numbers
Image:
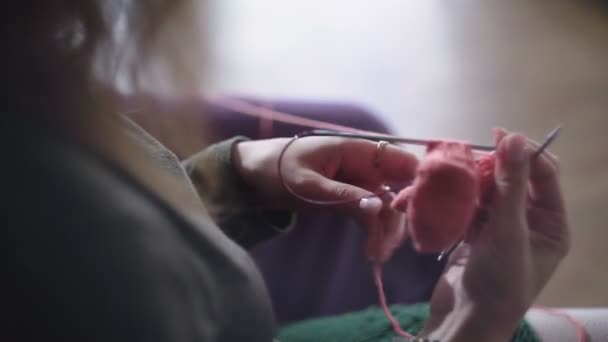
[
  {"x": 442, "y": 201},
  {"x": 441, "y": 204},
  {"x": 485, "y": 171}
]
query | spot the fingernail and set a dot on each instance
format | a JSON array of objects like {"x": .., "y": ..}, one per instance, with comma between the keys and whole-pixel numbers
[
  {"x": 499, "y": 134},
  {"x": 516, "y": 148},
  {"x": 370, "y": 206}
]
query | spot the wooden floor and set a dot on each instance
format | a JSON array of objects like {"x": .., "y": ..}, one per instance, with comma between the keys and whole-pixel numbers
[{"x": 451, "y": 69}]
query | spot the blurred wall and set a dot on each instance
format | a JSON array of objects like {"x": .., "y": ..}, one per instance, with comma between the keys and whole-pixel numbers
[{"x": 449, "y": 69}]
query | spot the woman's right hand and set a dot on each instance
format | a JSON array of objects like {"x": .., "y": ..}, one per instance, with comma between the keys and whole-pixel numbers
[{"x": 492, "y": 279}]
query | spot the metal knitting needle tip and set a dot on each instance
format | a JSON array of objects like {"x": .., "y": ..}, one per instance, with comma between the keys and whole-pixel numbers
[
  {"x": 548, "y": 140},
  {"x": 449, "y": 250}
]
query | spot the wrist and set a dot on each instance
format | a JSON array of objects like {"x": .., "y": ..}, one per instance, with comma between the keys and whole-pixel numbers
[
  {"x": 255, "y": 162},
  {"x": 470, "y": 324},
  {"x": 241, "y": 160}
]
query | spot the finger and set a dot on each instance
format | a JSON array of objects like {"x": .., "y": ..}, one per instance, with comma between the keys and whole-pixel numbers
[
  {"x": 544, "y": 179},
  {"x": 395, "y": 164},
  {"x": 512, "y": 175},
  {"x": 459, "y": 256},
  {"x": 370, "y": 206},
  {"x": 385, "y": 233},
  {"x": 395, "y": 234},
  {"x": 373, "y": 242},
  {"x": 546, "y": 153},
  {"x": 385, "y": 227},
  {"x": 499, "y": 134},
  {"x": 546, "y": 192},
  {"x": 316, "y": 188},
  {"x": 390, "y": 163},
  {"x": 401, "y": 200},
  {"x": 394, "y": 223}
]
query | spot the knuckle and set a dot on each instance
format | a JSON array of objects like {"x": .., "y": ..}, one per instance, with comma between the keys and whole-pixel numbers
[
  {"x": 301, "y": 180},
  {"x": 556, "y": 164},
  {"x": 342, "y": 191},
  {"x": 565, "y": 246},
  {"x": 511, "y": 183}
]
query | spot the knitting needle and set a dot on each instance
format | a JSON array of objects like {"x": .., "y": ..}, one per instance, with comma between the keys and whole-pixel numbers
[
  {"x": 449, "y": 250},
  {"x": 548, "y": 141},
  {"x": 378, "y": 137}
]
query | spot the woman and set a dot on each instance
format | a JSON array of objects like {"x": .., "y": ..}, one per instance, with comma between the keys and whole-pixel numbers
[{"x": 111, "y": 238}]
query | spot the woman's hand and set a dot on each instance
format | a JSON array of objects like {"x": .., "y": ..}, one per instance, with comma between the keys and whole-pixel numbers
[
  {"x": 322, "y": 169},
  {"x": 493, "y": 278},
  {"x": 333, "y": 169}
]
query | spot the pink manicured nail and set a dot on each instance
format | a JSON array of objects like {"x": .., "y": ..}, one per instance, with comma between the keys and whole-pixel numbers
[
  {"x": 370, "y": 206},
  {"x": 516, "y": 148}
]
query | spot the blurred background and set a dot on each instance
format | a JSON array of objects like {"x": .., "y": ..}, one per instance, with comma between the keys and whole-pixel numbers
[{"x": 452, "y": 69}]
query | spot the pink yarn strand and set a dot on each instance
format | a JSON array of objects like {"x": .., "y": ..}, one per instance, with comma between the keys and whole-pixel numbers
[
  {"x": 581, "y": 332},
  {"x": 246, "y": 108},
  {"x": 377, "y": 268}
]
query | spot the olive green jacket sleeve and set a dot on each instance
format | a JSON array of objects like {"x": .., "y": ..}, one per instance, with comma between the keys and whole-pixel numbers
[{"x": 231, "y": 202}]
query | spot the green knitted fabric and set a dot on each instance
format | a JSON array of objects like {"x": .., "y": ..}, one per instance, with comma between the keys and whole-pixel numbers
[{"x": 372, "y": 326}]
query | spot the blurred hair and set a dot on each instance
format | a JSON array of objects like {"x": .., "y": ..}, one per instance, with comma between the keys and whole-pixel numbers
[{"x": 59, "y": 55}]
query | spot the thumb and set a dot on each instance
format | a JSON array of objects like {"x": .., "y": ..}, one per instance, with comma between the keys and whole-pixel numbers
[
  {"x": 366, "y": 202},
  {"x": 512, "y": 173},
  {"x": 345, "y": 196}
]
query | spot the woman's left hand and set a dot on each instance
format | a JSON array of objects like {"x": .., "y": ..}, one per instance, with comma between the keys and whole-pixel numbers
[
  {"x": 329, "y": 169},
  {"x": 323, "y": 169}
]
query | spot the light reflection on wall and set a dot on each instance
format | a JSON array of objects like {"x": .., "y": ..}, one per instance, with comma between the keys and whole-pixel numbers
[{"x": 389, "y": 55}]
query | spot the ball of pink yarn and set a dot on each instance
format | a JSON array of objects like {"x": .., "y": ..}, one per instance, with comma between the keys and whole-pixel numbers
[{"x": 441, "y": 202}]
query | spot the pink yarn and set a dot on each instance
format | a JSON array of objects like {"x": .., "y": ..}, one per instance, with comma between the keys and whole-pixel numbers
[
  {"x": 581, "y": 333},
  {"x": 377, "y": 268},
  {"x": 441, "y": 202}
]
